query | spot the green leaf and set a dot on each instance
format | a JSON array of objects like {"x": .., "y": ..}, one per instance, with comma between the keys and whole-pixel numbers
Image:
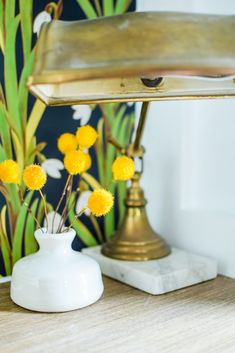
[
  {"x": 9, "y": 119},
  {"x": 94, "y": 184},
  {"x": 108, "y": 7},
  {"x": 111, "y": 150},
  {"x": 19, "y": 230},
  {"x": 34, "y": 119},
  {"x": 87, "y": 8},
  {"x": 5, "y": 134},
  {"x": 14, "y": 197},
  {"x": 121, "y": 190},
  {"x": 82, "y": 231},
  {"x": 5, "y": 246},
  {"x": 122, "y": 6},
  {"x": 35, "y": 150},
  {"x": 30, "y": 243},
  {"x": 10, "y": 72},
  {"x": 31, "y": 152},
  {"x": 96, "y": 227},
  {"x": 114, "y": 114},
  {"x": 3, "y": 155},
  {"x": 125, "y": 130},
  {"x": 99, "y": 149},
  {"x": 18, "y": 150},
  {"x": 26, "y": 26},
  {"x": 2, "y": 98},
  {"x": 109, "y": 219},
  {"x": 124, "y": 136},
  {"x": 2, "y": 44},
  {"x": 23, "y": 90}
]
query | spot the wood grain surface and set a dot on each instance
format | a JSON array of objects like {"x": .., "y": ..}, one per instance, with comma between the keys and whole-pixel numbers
[{"x": 198, "y": 319}]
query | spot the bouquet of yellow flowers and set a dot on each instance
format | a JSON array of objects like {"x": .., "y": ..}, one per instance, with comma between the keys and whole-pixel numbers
[{"x": 76, "y": 161}]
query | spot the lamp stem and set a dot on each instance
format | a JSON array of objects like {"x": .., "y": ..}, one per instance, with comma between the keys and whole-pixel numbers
[{"x": 141, "y": 124}]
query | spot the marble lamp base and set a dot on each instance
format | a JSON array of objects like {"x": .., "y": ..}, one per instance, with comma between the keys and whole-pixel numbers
[{"x": 178, "y": 270}]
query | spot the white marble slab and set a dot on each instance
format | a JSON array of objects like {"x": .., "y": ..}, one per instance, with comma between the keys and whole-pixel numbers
[
  {"x": 5, "y": 279},
  {"x": 178, "y": 270}
]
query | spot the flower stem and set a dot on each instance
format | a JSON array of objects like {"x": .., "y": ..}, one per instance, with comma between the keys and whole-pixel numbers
[
  {"x": 61, "y": 199},
  {"x": 45, "y": 207},
  {"x": 74, "y": 219},
  {"x": 69, "y": 190},
  {"x": 72, "y": 205}
]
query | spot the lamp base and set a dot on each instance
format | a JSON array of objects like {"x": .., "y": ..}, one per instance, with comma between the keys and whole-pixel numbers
[{"x": 135, "y": 240}]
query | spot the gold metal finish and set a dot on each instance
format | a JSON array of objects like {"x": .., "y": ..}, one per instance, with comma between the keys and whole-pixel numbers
[
  {"x": 106, "y": 59},
  {"x": 135, "y": 240}
]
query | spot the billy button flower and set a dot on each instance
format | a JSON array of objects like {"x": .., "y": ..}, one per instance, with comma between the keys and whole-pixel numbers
[
  {"x": 123, "y": 168},
  {"x": 77, "y": 162},
  {"x": 100, "y": 202},
  {"x": 67, "y": 142},
  {"x": 86, "y": 136},
  {"x": 9, "y": 172},
  {"x": 34, "y": 177}
]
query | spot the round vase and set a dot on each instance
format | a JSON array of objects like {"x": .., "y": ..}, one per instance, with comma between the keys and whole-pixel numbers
[{"x": 56, "y": 278}]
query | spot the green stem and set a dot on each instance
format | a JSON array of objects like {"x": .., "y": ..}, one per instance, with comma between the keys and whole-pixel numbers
[{"x": 45, "y": 206}]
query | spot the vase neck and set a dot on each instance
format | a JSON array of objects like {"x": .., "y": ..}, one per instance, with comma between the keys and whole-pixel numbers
[{"x": 55, "y": 243}]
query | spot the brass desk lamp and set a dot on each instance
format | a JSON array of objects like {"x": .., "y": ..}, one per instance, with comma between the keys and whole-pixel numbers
[{"x": 135, "y": 57}]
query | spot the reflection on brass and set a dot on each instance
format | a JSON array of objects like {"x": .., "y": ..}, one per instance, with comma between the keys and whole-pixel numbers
[
  {"x": 106, "y": 59},
  {"x": 135, "y": 240}
]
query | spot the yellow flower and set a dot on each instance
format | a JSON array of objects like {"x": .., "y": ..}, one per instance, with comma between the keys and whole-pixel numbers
[
  {"x": 77, "y": 162},
  {"x": 123, "y": 168},
  {"x": 9, "y": 172},
  {"x": 67, "y": 142},
  {"x": 100, "y": 202},
  {"x": 86, "y": 136},
  {"x": 34, "y": 177}
]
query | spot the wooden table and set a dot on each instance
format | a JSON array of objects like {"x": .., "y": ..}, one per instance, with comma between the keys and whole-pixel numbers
[{"x": 199, "y": 319}]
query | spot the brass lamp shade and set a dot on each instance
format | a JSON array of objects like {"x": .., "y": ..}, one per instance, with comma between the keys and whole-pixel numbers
[{"x": 106, "y": 59}]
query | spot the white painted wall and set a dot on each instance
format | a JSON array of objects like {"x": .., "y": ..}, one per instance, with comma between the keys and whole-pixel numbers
[{"x": 190, "y": 162}]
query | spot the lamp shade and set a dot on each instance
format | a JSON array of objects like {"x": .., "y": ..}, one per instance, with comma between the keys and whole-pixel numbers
[{"x": 135, "y": 57}]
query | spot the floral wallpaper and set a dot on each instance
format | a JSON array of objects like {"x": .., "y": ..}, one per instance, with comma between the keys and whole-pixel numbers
[{"x": 29, "y": 130}]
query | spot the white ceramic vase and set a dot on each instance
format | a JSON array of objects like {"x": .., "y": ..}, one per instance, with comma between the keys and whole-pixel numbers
[{"x": 56, "y": 278}]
